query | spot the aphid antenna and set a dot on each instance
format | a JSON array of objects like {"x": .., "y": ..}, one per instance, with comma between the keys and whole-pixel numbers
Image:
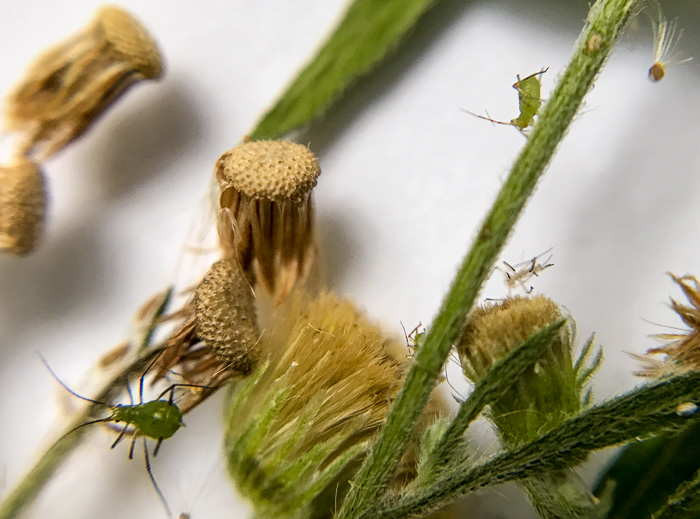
[
  {"x": 542, "y": 71},
  {"x": 73, "y": 392}
]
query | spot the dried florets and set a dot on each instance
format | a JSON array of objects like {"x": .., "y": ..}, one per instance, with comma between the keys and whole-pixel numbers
[
  {"x": 70, "y": 84},
  {"x": 682, "y": 353},
  {"x": 266, "y": 212}
]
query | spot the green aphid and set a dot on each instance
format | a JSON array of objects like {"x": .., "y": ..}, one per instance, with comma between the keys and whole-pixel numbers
[
  {"x": 157, "y": 419},
  {"x": 529, "y": 91}
]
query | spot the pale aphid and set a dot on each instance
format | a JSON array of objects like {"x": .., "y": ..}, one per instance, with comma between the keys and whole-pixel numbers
[
  {"x": 529, "y": 100},
  {"x": 519, "y": 274},
  {"x": 157, "y": 419},
  {"x": 666, "y": 38}
]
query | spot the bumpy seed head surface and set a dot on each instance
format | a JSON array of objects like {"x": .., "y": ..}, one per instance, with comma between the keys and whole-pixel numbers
[
  {"x": 130, "y": 40},
  {"x": 275, "y": 170},
  {"x": 22, "y": 206},
  {"x": 225, "y": 316}
]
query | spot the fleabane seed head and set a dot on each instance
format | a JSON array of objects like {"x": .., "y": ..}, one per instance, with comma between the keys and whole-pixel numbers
[
  {"x": 266, "y": 212},
  {"x": 225, "y": 317},
  {"x": 72, "y": 83},
  {"x": 22, "y": 206},
  {"x": 280, "y": 171}
]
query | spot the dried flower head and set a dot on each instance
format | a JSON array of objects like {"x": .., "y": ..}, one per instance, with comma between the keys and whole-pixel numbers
[
  {"x": 225, "y": 317},
  {"x": 69, "y": 85},
  {"x": 266, "y": 213},
  {"x": 22, "y": 206},
  {"x": 683, "y": 352},
  {"x": 312, "y": 408}
]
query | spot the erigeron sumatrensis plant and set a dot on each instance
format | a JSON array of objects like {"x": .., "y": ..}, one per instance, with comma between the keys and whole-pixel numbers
[{"x": 325, "y": 416}]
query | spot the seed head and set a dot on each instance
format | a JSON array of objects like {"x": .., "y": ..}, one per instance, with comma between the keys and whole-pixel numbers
[
  {"x": 225, "y": 317},
  {"x": 279, "y": 171},
  {"x": 266, "y": 213},
  {"x": 22, "y": 206},
  {"x": 72, "y": 83}
]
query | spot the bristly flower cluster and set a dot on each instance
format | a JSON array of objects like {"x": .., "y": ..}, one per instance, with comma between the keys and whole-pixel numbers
[{"x": 683, "y": 352}]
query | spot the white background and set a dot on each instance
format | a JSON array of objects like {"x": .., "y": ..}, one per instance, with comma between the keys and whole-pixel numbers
[{"x": 407, "y": 177}]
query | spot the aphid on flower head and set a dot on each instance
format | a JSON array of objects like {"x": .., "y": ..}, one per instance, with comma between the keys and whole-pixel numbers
[
  {"x": 524, "y": 271},
  {"x": 666, "y": 38},
  {"x": 157, "y": 419},
  {"x": 529, "y": 100}
]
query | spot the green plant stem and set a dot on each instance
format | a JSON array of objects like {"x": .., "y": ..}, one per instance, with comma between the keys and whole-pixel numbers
[
  {"x": 606, "y": 20},
  {"x": 642, "y": 412}
]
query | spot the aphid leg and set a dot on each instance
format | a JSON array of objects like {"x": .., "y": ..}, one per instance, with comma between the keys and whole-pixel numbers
[
  {"x": 494, "y": 121},
  {"x": 133, "y": 442},
  {"x": 532, "y": 266},
  {"x": 128, "y": 390},
  {"x": 157, "y": 448},
  {"x": 510, "y": 267},
  {"x": 153, "y": 479},
  {"x": 172, "y": 388},
  {"x": 120, "y": 437}
]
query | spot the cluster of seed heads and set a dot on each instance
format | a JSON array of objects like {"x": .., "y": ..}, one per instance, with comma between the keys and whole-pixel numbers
[{"x": 60, "y": 95}]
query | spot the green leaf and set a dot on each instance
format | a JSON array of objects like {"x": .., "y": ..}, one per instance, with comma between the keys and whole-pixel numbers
[
  {"x": 369, "y": 30},
  {"x": 646, "y": 473}
]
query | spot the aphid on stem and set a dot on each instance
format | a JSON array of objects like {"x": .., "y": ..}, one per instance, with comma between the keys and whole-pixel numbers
[
  {"x": 524, "y": 271},
  {"x": 529, "y": 91},
  {"x": 156, "y": 419},
  {"x": 666, "y": 38}
]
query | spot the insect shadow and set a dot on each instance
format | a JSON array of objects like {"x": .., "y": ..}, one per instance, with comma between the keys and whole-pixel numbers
[{"x": 156, "y": 419}]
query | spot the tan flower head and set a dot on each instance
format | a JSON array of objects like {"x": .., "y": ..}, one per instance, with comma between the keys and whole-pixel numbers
[
  {"x": 548, "y": 392},
  {"x": 311, "y": 409},
  {"x": 22, "y": 206},
  {"x": 69, "y": 85},
  {"x": 266, "y": 213},
  {"x": 493, "y": 330}
]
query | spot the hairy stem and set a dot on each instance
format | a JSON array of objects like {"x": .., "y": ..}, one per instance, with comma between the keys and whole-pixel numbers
[{"x": 606, "y": 21}]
